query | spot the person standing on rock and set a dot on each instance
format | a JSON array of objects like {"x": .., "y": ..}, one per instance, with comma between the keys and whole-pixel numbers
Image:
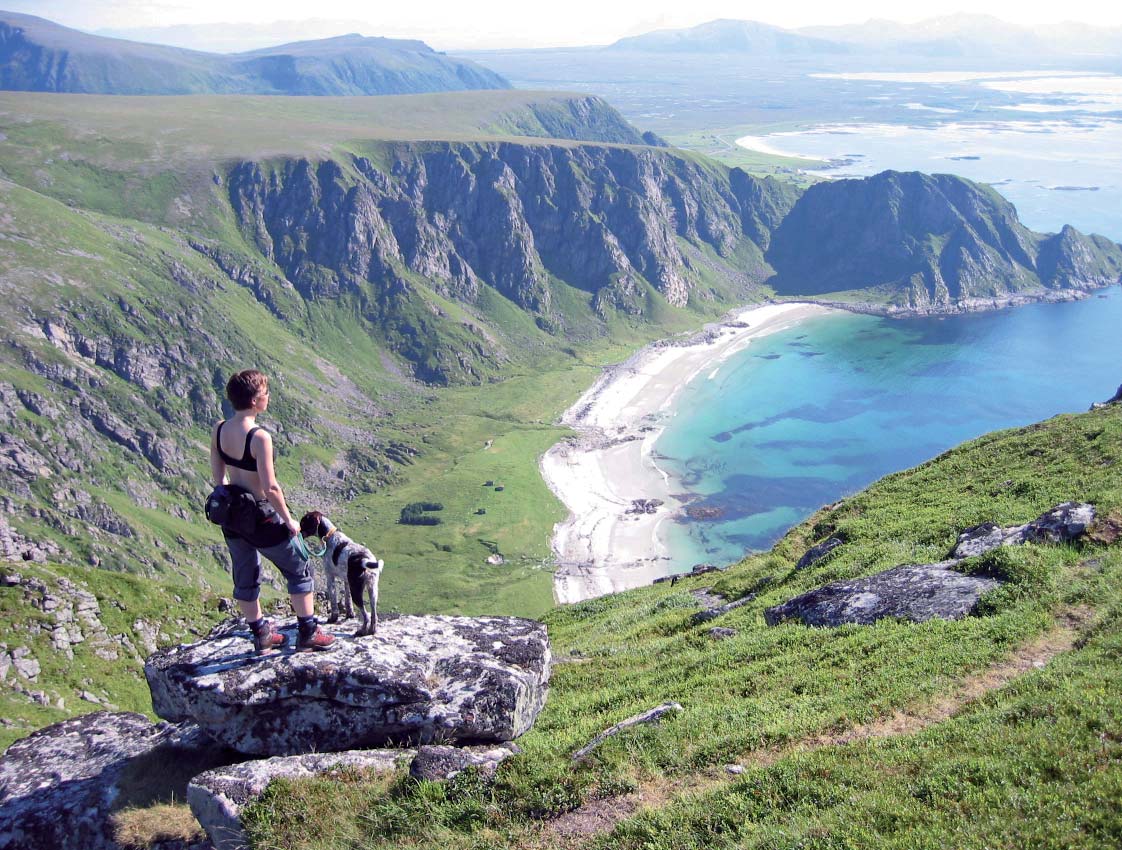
[{"x": 241, "y": 456}]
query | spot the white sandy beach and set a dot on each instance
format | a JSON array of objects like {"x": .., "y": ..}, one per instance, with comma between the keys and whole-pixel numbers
[{"x": 605, "y": 545}]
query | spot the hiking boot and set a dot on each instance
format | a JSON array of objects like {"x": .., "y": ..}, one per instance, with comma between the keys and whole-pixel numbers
[
  {"x": 319, "y": 639},
  {"x": 266, "y": 638}
]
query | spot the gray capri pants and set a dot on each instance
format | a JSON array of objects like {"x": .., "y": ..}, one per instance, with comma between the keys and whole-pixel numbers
[{"x": 247, "y": 567}]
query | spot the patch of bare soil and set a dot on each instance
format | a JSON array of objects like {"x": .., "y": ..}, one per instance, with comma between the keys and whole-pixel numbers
[{"x": 573, "y": 829}]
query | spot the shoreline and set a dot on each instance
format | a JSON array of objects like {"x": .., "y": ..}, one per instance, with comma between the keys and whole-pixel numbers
[{"x": 607, "y": 476}]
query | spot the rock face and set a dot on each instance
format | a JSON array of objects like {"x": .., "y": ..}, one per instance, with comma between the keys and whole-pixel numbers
[
  {"x": 913, "y": 592},
  {"x": 59, "y": 785},
  {"x": 459, "y": 679},
  {"x": 218, "y": 797},
  {"x": 940, "y": 243},
  {"x": 613, "y": 222}
]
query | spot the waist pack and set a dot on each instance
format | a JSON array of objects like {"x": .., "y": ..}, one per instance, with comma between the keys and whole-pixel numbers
[{"x": 238, "y": 512}]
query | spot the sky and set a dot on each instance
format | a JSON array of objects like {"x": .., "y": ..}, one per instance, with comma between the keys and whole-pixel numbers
[{"x": 465, "y": 24}]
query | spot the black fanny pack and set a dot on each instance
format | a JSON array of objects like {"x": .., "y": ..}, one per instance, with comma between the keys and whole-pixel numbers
[{"x": 240, "y": 514}]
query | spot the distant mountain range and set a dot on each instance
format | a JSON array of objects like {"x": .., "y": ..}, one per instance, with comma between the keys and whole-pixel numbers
[
  {"x": 729, "y": 36},
  {"x": 38, "y": 55},
  {"x": 972, "y": 36}
]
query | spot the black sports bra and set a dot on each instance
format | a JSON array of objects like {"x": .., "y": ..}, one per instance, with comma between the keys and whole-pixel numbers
[{"x": 247, "y": 461}]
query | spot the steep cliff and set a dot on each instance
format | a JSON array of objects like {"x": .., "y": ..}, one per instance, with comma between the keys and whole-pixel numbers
[
  {"x": 519, "y": 219},
  {"x": 927, "y": 243}
]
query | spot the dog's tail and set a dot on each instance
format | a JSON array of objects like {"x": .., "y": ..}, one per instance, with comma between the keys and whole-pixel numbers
[{"x": 354, "y": 582}]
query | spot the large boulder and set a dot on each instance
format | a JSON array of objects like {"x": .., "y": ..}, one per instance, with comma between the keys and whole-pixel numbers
[
  {"x": 419, "y": 679},
  {"x": 912, "y": 592},
  {"x": 59, "y": 786},
  {"x": 218, "y": 797}
]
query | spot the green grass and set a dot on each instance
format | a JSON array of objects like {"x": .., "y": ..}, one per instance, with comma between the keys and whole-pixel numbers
[
  {"x": 167, "y": 132},
  {"x": 767, "y": 688}
]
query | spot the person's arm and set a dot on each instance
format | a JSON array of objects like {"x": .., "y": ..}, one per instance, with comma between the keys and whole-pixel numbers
[
  {"x": 217, "y": 465},
  {"x": 264, "y": 455}
]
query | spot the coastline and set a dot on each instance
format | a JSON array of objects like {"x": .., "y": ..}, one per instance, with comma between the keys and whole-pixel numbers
[{"x": 607, "y": 476}]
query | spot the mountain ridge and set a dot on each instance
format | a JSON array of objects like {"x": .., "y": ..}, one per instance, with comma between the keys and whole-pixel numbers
[
  {"x": 38, "y": 55},
  {"x": 962, "y": 35}
]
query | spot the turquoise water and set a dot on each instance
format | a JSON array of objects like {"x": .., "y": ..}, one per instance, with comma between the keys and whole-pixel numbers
[{"x": 804, "y": 417}]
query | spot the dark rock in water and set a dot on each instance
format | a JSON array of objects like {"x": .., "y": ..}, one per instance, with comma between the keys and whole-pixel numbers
[
  {"x": 218, "y": 797},
  {"x": 644, "y": 506},
  {"x": 436, "y": 763},
  {"x": 1062, "y": 524},
  {"x": 58, "y": 786},
  {"x": 912, "y": 592},
  {"x": 816, "y": 553},
  {"x": 704, "y": 514},
  {"x": 459, "y": 679}
]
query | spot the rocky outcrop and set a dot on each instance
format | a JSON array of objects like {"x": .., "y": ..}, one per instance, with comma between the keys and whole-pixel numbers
[
  {"x": 716, "y": 611},
  {"x": 59, "y": 785},
  {"x": 931, "y": 244},
  {"x": 458, "y": 679},
  {"x": 1062, "y": 524},
  {"x": 15, "y": 547},
  {"x": 923, "y": 592},
  {"x": 218, "y": 797},
  {"x": 914, "y": 592}
]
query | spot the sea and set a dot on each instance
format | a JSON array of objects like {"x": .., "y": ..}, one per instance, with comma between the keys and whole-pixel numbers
[
  {"x": 804, "y": 417},
  {"x": 1054, "y": 149}
]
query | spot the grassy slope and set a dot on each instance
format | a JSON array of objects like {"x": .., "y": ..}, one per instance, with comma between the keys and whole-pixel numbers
[
  {"x": 992, "y": 777},
  {"x": 167, "y": 132},
  {"x": 180, "y": 612}
]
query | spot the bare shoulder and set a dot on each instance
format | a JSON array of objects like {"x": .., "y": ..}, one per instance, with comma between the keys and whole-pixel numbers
[{"x": 262, "y": 438}]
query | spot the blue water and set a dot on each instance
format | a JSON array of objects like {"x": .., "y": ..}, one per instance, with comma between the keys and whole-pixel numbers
[{"x": 806, "y": 416}]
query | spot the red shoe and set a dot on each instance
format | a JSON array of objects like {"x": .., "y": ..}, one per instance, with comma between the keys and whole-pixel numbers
[
  {"x": 319, "y": 639},
  {"x": 266, "y": 638}
]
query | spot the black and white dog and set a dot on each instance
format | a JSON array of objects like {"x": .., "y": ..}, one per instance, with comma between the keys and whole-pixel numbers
[{"x": 345, "y": 560}]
